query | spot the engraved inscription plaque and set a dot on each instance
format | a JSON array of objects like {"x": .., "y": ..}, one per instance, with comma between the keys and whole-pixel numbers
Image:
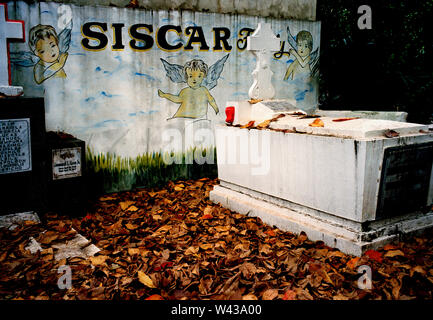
[
  {"x": 66, "y": 163},
  {"x": 404, "y": 185},
  {"x": 15, "y": 148}
]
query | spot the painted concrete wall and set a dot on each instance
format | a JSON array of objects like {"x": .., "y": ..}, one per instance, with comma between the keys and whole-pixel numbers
[
  {"x": 290, "y": 9},
  {"x": 110, "y": 97}
]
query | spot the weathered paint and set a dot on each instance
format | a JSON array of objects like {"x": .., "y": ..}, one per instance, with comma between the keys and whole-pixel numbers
[
  {"x": 289, "y": 9},
  {"x": 109, "y": 98}
]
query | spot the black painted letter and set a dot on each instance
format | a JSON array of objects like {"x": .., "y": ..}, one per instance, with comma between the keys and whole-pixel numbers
[
  {"x": 141, "y": 37},
  {"x": 221, "y": 35},
  {"x": 88, "y": 33},
  {"x": 196, "y": 36},
  {"x": 162, "y": 40}
]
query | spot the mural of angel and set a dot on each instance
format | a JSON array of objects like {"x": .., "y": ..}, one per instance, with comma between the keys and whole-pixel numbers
[
  {"x": 306, "y": 60},
  {"x": 195, "y": 98},
  {"x": 48, "y": 52}
]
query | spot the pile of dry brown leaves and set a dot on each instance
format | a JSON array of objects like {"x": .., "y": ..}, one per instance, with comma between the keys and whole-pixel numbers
[{"x": 173, "y": 243}]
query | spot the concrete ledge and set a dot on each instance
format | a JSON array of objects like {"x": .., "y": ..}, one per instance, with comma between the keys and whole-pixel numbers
[
  {"x": 287, "y": 9},
  {"x": 380, "y": 115},
  {"x": 334, "y": 234}
]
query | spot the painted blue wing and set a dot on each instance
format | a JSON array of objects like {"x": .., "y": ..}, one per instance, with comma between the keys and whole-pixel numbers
[
  {"x": 291, "y": 39},
  {"x": 24, "y": 58},
  {"x": 65, "y": 37},
  {"x": 214, "y": 73},
  {"x": 174, "y": 71}
]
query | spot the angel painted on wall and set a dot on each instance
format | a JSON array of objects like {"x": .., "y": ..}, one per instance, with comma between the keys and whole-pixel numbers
[
  {"x": 48, "y": 52},
  {"x": 306, "y": 59},
  {"x": 200, "y": 78}
]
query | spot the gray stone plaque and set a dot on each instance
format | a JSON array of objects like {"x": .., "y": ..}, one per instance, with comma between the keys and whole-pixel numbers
[
  {"x": 405, "y": 179},
  {"x": 15, "y": 146},
  {"x": 279, "y": 105},
  {"x": 66, "y": 163}
]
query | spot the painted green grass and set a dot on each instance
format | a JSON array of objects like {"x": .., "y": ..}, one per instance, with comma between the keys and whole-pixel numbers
[{"x": 107, "y": 172}]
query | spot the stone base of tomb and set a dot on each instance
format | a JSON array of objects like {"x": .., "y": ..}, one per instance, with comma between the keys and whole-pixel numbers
[{"x": 348, "y": 236}]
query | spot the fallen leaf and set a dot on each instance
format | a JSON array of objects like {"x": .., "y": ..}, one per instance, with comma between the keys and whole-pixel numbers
[
  {"x": 289, "y": 295},
  {"x": 393, "y": 253},
  {"x": 132, "y": 251},
  {"x": 248, "y": 125},
  {"x": 281, "y": 115},
  {"x": 345, "y": 119},
  {"x": 352, "y": 263},
  {"x": 391, "y": 134},
  {"x": 396, "y": 286},
  {"x": 302, "y": 236},
  {"x": 48, "y": 237},
  {"x": 107, "y": 198},
  {"x": 340, "y": 297},
  {"x": 191, "y": 250},
  {"x": 248, "y": 270},
  {"x": 125, "y": 205},
  {"x": 270, "y": 294},
  {"x": 249, "y": 296},
  {"x": 270, "y": 233},
  {"x": 374, "y": 255},
  {"x": 417, "y": 269},
  {"x": 207, "y": 213},
  {"x": 131, "y": 226},
  {"x": 145, "y": 279},
  {"x": 317, "y": 123},
  {"x": 264, "y": 124},
  {"x": 132, "y": 208},
  {"x": 154, "y": 297},
  {"x": 390, "y": 247},
  {"x": 98, "y": 260},
  {"x": 206, "y": 246},
  {"x": 254, "y": 101}
]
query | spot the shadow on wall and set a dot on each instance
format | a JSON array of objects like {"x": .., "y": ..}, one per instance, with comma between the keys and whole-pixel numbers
[{"x": 107, "y": 173}]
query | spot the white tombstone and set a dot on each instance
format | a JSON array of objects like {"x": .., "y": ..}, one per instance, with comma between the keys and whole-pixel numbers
[
  {"x": 9, "y": 30},
  {"x": 262, "y": 43}
]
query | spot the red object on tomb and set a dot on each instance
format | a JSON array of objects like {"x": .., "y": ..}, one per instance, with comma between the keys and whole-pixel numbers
[{"x": 230, "y": 113}]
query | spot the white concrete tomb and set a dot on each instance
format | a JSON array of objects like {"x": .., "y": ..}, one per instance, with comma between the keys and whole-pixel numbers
[{"x": 345, "y": 183}]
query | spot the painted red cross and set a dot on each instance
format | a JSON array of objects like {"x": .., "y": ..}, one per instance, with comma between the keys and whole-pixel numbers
[{"x": 9, "y": 30}]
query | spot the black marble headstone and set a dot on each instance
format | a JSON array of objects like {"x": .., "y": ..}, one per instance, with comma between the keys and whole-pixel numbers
[{"x": 22, "y": 155}]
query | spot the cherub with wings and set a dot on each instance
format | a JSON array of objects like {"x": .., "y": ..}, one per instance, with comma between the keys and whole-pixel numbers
[
  {"x": 195, "y": 98},
  {"x": 48, "y": 52},
  {"x": 306, "y": 60}
]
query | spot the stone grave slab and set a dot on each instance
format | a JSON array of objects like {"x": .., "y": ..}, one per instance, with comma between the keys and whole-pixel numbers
[{"x": 22, "y": 158}]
